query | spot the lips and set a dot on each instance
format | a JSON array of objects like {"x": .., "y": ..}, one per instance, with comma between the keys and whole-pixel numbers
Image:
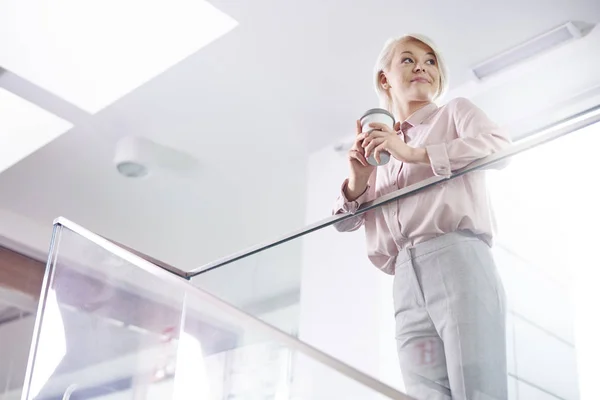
[{"x": 421, "y": 80}]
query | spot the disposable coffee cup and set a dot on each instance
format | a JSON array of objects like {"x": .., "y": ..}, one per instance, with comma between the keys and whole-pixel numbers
[{"x": 382, "y": 116}]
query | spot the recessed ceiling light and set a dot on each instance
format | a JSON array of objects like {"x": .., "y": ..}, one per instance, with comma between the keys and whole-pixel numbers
[
  {"x": 24, "y": 128},
  {"x": 93, "y": 52}
]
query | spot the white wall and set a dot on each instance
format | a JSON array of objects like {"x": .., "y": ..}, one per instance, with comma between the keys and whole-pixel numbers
[{"x": 24, "y": 235}]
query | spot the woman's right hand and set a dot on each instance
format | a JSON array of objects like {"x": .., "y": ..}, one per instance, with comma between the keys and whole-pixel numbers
[{"x": 360, "y": 169}]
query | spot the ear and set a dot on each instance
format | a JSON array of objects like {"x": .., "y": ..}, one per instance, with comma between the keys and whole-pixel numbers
[{"x": 383, "y": 81}]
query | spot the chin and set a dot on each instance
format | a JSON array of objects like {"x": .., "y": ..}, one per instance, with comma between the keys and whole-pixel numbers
[{"x": 422, "y": 96}]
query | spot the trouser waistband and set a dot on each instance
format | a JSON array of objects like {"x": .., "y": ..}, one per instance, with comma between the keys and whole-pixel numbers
[{"x": 432, "y": 245}]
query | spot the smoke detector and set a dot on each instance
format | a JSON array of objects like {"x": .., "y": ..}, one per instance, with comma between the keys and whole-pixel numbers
[{"x": 137, "y": 157}]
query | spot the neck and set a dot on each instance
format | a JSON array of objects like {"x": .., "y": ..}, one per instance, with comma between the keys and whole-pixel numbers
[{"x": 405, "y": 109}]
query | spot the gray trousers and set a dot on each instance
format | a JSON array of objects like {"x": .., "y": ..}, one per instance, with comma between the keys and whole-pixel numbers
[{"x": 450, "y": 320}]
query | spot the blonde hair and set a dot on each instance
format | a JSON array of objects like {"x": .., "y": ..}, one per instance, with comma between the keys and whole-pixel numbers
[{"x": 385, "y": 58}]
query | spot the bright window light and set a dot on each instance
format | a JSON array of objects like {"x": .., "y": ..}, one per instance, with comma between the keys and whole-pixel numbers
[
  {"x": 546, "y": 202},
  {"x": 191, "y": 377},
  {"x": 93, "y": 52},
  {"x": 52, "y": 346},
  {"x": 24, "y": 128}
]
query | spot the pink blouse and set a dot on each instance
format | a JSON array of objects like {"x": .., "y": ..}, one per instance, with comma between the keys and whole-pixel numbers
[{"x": 454, "y": 135}]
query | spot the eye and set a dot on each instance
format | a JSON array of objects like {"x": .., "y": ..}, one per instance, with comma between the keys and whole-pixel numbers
[
  {"x": 405, "y": 59},
  {"x": 431, "y": 62}
]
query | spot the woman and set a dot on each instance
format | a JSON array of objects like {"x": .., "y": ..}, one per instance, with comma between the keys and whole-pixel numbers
[{"x": 449, "y": 302}]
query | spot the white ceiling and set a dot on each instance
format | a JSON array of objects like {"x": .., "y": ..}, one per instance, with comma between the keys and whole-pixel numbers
[{"x": 290, "y": 79}]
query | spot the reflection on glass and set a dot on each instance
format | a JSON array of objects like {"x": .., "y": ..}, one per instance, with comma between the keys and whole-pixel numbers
[{"x": 105, "y": 327}]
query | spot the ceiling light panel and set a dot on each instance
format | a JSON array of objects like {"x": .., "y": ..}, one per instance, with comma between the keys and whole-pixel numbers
[
  {"x": 24, "y": 128},
  {"x": 93, "y": 52},
  {"x": 528, "y": 49}
]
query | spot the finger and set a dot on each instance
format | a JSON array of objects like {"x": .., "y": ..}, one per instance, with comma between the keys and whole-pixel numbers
[
  {"x": 360, "y": 137},
  {"x": 366, "y": 142},
  {"x": 377, "y": 153},
  {"x": 358, "y": 127},
  {"x": 358, "y": 147},
  {"x": 381, "y": 127},
  {"x": 355, "y": 155},
  {"x": 397, "y": 126},
  {"x": 374, "y": 143},
  {"x": 372, "y": 136},
  {"x": 362, "y": 159},
  {"x": 376, "y": 133},
  {"x": 366, "y": 149}
]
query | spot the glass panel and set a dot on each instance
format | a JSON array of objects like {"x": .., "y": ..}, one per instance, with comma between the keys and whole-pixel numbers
[
  {"x": 337, "y": 301},
  {"x": 113, "y": 330},
  {"x": 266, "y": 285},
  {"x": 546, "y": 205},
  {"x": 251, "y": 363},
  {"x": 16, "y": 326},
  {"x": 545, "y": 202},
  {"x": 106, "y": 326}
]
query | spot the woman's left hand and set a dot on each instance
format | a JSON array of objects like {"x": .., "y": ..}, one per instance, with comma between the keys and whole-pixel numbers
[{"x": 382, "y": 137}]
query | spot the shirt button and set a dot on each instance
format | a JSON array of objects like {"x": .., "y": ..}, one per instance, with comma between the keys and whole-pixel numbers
[{"x": 394, "y": 213}]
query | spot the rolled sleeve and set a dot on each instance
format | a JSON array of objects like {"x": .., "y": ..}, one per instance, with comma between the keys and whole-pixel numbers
[
  {"x": 478, "y": 137},
  {"x": 343, "y": 205},
  {"x": 439, "y": 159}
]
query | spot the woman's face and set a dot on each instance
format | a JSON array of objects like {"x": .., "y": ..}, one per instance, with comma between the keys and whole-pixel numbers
[{"x": 413, "y": 73}]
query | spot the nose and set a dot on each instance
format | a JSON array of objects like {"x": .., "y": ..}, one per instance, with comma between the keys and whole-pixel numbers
[{"x": 419, "y": 67}]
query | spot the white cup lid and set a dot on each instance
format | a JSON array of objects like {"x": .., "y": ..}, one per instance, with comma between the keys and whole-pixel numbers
[{"x": 378, "y": 111}]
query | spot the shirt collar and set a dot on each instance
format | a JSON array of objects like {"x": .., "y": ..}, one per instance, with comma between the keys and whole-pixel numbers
[{"x": 421, "y": 114}]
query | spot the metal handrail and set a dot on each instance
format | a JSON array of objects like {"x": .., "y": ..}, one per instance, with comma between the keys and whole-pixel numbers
[{"x": 536, "y": 138}]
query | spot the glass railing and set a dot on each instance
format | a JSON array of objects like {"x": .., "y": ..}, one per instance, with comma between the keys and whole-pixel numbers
[
  {"x": 318, "y": 284},
  {"x": 112, "y": 325},
  {"x": 313, "y": 319}
]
